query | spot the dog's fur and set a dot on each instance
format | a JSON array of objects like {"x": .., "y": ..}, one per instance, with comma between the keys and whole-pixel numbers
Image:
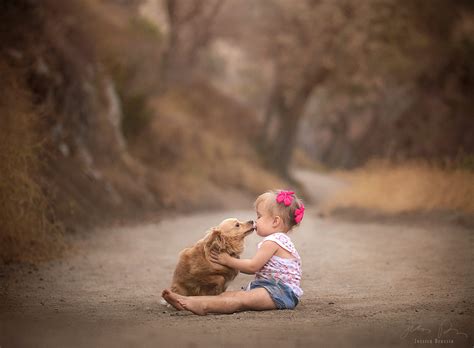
[{"x": 196, "y": 274}]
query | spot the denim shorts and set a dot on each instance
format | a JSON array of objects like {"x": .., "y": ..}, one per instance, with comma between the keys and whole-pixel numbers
[{"x": 280, "y": 293}]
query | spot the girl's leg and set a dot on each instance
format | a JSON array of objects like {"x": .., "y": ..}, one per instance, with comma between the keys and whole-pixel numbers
[
  {"x": 256, "y": 299},
  {"x": 172, "y": 300},
  {"x": 230, "y": 293}
]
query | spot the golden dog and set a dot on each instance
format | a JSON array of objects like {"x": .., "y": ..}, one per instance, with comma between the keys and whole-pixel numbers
[{"x": 196, "y": 274}]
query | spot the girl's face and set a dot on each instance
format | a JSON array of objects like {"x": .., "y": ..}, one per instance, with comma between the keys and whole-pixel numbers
[{"x": 265, "y": 221}]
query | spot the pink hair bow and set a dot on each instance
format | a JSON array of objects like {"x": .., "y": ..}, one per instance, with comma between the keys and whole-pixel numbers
[
  {"x": 299, "y": 213},
  {"x": 285, "y": 196}
]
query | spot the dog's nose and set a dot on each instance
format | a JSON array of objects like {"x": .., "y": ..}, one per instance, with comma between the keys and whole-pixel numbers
[{"x": 252, "y": 222}]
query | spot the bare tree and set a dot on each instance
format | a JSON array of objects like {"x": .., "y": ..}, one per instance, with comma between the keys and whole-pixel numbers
[
  {"x": 190, "y": 30},
  {"x": 302, "y": 40},
  {"x": 409, "y": 75}
]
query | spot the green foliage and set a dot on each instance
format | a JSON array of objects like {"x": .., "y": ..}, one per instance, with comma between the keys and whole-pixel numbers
[
  {"x": 146, "y": 27},
  {"x": 464, "y": 161},
  {"x": 136, "y": 114}
]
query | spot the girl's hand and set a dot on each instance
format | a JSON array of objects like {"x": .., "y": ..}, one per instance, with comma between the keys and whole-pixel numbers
[{"x": 220, "y": 258}]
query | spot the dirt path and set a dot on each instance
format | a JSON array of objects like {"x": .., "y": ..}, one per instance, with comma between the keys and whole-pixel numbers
[{"x": 366, "y": 284}]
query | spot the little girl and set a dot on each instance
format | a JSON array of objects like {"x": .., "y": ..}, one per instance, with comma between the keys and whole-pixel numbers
[{"x": 276, "y": 265}]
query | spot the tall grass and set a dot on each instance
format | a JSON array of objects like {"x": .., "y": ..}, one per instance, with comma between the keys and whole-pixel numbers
[
  {"x": 27, "y": 233},
  {"x": 413, "y": 186}
]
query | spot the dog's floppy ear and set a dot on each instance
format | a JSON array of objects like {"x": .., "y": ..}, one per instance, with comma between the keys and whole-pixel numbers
[{"x": 216, "y": 240}]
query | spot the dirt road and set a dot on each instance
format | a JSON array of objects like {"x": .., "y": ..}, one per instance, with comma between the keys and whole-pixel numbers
[{"x": 367, "y": 284}]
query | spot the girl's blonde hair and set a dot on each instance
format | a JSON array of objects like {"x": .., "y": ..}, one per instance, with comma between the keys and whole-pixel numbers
[{"x": 287, "y": 213}]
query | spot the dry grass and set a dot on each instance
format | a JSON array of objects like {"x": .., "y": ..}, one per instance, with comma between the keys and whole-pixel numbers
[
  {"x": 27, "y": 233},
  {"x": 302, "y": 160},
  {"x": 201, "y": 143},
  {"x": 413, "y": 186}
]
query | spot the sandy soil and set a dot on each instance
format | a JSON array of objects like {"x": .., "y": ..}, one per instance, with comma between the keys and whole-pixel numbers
[{"x": 367, "y": 283}]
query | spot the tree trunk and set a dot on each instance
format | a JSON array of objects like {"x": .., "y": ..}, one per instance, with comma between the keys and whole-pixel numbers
[
  {"x": 278, "y": 150},
  {"x": 283, "y": 144}
]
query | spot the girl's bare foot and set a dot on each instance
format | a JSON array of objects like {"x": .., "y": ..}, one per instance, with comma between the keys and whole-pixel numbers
[
  {"x": 193, "y": 305},
  {"x": 172, "y": 299}
]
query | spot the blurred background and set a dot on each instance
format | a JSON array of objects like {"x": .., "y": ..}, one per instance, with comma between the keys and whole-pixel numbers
[{"x": 133, "y": 109}]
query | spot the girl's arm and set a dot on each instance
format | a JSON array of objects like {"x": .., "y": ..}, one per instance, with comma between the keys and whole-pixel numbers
[{"x": 248, "y": 266}]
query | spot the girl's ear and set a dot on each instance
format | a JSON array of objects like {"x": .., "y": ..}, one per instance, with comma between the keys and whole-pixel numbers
[{"x": 276, "y": 221}]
